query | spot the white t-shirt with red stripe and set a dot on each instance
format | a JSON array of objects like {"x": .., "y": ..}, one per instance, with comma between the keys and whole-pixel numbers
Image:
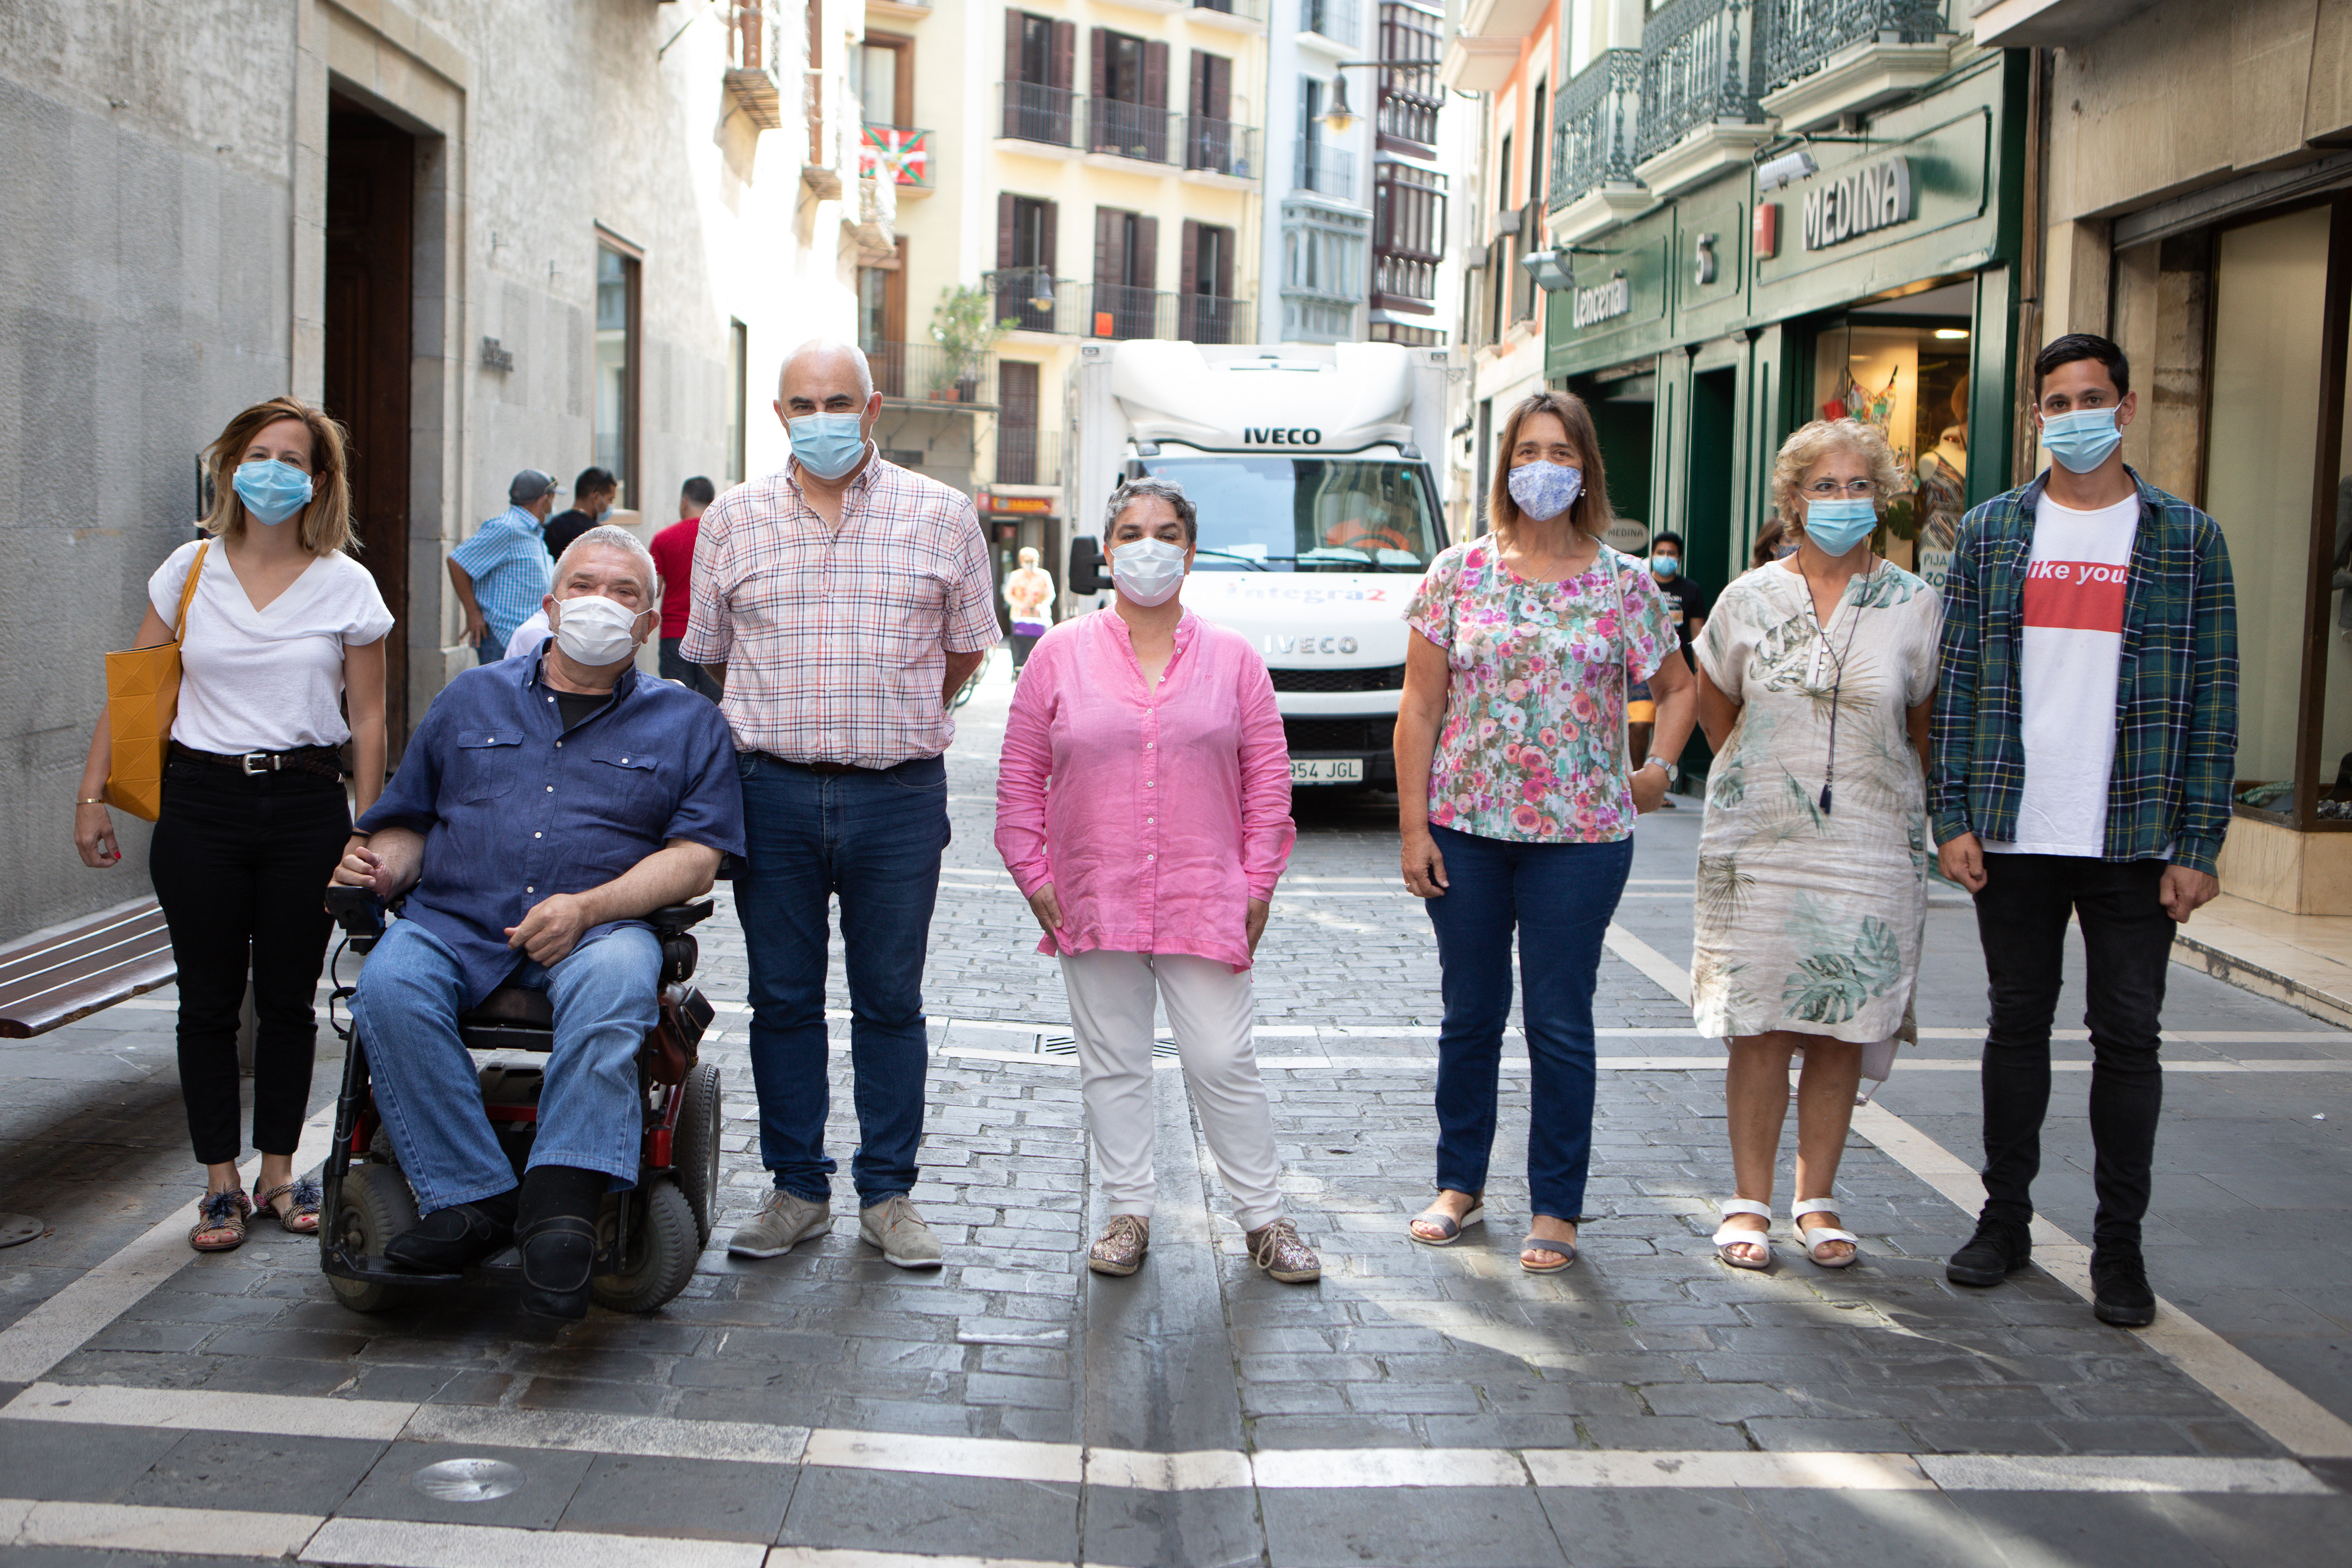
[{"x": 2068, "y": 675}]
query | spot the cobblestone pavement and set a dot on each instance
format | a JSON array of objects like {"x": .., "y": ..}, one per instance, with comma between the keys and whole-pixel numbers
[{"x": 1418, "y": 1407}]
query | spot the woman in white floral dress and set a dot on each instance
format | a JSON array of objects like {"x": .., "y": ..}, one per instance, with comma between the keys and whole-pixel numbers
[
  {"x": 1815, "y": 676},
  {"x": 1515, "y": 805}
]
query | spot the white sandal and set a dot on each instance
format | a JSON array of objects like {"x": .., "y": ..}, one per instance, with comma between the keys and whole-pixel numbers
[
  {"x": 1730, "y": 1236},
  {"x": 1811, "y": 1240}
]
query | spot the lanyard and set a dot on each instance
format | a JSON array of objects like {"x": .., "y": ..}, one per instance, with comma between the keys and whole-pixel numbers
[{"x": 1837, "y": 663}]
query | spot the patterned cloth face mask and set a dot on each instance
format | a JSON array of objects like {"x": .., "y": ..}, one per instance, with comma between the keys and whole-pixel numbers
[{"x": 1545, "y": 490}]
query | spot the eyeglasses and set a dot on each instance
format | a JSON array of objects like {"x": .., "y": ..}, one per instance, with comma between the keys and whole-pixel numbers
[{"x": 1828, "y": 489}]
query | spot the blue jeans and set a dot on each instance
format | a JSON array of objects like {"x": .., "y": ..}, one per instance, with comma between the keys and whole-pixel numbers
[
  {"x": 874, "y": 838},
  {"x": 1560, "y": 897},
  {"x": 605, "y": 994},
  {"x": 490, "y": 649}
]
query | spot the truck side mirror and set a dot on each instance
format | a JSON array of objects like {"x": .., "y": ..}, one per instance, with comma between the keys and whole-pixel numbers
[{"x": 1086, "y": 573}]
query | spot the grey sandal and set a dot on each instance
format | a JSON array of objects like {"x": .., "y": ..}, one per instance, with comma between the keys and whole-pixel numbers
[
  {"x": 1452, "y": 1227},
  {"x": 1534, "y": 1243}
]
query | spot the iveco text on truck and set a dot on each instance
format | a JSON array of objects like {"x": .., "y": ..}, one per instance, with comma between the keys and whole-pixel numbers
[{"x": 1311, "y": 466}]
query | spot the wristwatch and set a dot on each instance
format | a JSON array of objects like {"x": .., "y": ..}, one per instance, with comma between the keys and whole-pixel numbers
[{"x": 1674, "y": 774}]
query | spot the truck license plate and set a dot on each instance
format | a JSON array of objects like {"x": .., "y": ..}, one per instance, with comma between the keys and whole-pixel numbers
[{"x": 1327, "y": 770}]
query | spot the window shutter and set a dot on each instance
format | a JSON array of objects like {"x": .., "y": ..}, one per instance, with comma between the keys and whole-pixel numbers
[
  {"x": 1187, "y": 273},
  {"x": 1225, "y": 263},
  {"x": 1098, "y": 43},
  {"x": 1196, "y": 93},
  {"x": 1220, "y": 103},
  {"x": 1110, "y": 248},
  {"x": 1066, "y": 50},
  {"x": 1008, "y": 233},
  {"x": 1012, "y": 20},
  {"x": 1145, "y": 264},
  {"x": 1155, "y": 75},
  {"x": 1046, "y": 257}
]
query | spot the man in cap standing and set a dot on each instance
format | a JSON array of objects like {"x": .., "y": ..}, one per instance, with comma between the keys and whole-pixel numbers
[{"x": 503, "y": 572}]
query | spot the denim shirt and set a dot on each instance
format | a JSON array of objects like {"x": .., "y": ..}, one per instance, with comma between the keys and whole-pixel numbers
[{"x": 515, "y": 808}]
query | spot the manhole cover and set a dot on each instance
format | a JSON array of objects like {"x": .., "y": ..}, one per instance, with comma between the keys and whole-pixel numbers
[
  {"x": 469, "y": 1480},
  {"x": 15, "y": 1228}
]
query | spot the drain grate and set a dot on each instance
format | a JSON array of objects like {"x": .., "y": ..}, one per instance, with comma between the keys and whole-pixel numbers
[
  {"x": 1063, "y": 1045},
  {"x": 468, "y": 1480}
]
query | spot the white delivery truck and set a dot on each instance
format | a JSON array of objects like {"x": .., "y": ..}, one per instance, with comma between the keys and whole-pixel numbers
[{"x": 1312, "y": 465}]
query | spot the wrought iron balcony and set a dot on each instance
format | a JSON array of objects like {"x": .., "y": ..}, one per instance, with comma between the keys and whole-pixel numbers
[
  {"x": 1221, "y": 147},
  {"x": 1592, "y": 128},
  {"x": 1034, "y": 300},
  {"x": 930, "y": 373},
  {"x": 1325, "y": 168},
  {"x": 1027, "y": 455},
  {"x": 756, "y": 46},
  {"x": 901, "y": 151},
  {"x": 1338, "y": 20},
  {"x": 1121, "y": 312},
  {"x": 1126, "y": 130},
  {"x": 1031, "y": 111},
  {"x": 1701, "y": 65},
  {"x": 1802, "y": 34},
  {"x": 1247, "y": 10}
]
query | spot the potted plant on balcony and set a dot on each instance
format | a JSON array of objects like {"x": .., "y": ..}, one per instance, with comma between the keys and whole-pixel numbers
[{"x": 965, "y": 326}]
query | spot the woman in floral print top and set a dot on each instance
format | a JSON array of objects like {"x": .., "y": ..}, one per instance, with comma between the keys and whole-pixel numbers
[{"x": 1515, "y": 805}]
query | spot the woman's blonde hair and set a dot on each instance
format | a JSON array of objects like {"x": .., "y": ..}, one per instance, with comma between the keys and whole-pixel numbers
[
  {"x": 326, "y": 522},
  {"x": 1590, "y": 510},
  {"x": 1811, "y": 442}
]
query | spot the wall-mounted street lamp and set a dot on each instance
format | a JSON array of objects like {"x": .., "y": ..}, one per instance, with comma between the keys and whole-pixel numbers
[
  {"x": 1554, "y": 273},
  {"x": 1339, "y": 119}
]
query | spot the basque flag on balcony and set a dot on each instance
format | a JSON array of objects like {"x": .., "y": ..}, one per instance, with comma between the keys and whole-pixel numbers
[{"x": 906, "y": 154}]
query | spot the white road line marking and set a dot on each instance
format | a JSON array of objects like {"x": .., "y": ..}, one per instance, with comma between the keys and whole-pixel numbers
[
  {"x": 1669, "y": 975},
  {"x": 403, "y": 1543},
  {"x": 653, "y": 1436},
  {"x": 1000, "y": 1459},
  {"x": 1381, "y": 1468},
  {"x": 123, "y": 1527},
  {"x": 65, "y": 1321},
  {"x": 843, "y": 1557},
  {"x": 1208, "y": 1470},
  {"x": 1725, "y": 1472},
  {"x": 210, "y": 1410},
  {"x": 2131, "y": 1473}
]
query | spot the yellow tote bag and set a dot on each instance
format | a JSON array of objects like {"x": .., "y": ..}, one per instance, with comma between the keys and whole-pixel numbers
[{"x": 143, "y": 698}]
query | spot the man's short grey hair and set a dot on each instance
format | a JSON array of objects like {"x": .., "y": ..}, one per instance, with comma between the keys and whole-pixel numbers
[
  {"x": 606, "y": 537},
  {"x": 831, "y": 346},
  {"x": 1133, "y": 490}
]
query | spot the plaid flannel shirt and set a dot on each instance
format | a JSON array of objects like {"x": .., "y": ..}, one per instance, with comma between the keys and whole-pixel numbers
[
  {"x": 2177, "y": 700},
  {"x": 835, "y": 644}
]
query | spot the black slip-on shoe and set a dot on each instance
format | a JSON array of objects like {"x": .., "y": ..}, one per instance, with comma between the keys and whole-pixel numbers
[
  {"x": 459, "y": 1237},
  {"x": 2119, "y": 1292},
  {"x": 1999, "y": 1248}
]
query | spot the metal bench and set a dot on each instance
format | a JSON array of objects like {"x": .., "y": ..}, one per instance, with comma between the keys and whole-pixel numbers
[{"x": 67, "y": 972}]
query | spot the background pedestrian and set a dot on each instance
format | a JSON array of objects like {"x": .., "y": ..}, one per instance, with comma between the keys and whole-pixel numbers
[
  {"x": 502, "y": 573},
  {"x": 842, "y": 602},
  {"x": 592, "y": 495},
  {"x": 1029, "y": 595},
  {"x": 283, "y": 635},
  {"x": 1152, "y": 864},
  {"x": 1514, "y": 806},
  {"x": 673, "y": 550},
  {"x": 1815, "y": 678}
]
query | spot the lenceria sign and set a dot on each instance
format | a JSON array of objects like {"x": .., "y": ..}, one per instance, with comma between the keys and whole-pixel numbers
[
  {"x": 1857, "y": 203},
  {"x": 1599, "y": 303}
]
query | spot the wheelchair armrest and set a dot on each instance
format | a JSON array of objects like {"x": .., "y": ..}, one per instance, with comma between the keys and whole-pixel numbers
[{"x": 672, "y": 920}]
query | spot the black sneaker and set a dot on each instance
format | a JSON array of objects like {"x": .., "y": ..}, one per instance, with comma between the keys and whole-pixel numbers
[
  {"x": 2119, "y": 1292},
  {"x": 459, "y": 1237},
  {"x": 1999, "y": 1248}
]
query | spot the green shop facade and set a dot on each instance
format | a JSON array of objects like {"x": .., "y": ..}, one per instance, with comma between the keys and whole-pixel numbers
[{"x": 1704, "y": 330}]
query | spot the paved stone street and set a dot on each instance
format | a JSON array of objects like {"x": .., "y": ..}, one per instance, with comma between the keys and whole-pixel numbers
[{"x": 1419, "y": 1406}]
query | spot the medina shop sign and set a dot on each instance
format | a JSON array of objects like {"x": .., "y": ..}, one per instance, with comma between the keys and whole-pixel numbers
[{"x": 1860, "y": 202}]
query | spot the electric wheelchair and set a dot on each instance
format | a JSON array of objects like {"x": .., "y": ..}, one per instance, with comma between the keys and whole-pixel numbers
[{"x": 647, "y": 1237}]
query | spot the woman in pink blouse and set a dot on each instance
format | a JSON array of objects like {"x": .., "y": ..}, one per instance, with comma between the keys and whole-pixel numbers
[
  {"x": 1516, "y": 806},
  {"x": 1150, "y": 862}
]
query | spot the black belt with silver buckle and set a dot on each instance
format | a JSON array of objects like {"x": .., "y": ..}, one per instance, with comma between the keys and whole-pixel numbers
[{"x": 326, "y": 761}]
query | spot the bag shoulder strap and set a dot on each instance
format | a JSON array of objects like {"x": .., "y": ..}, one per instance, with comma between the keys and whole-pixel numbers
[{"x": 188, "y": 591}]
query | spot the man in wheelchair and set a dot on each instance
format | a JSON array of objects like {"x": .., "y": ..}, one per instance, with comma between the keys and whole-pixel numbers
[{"x": 545, "y": 805}]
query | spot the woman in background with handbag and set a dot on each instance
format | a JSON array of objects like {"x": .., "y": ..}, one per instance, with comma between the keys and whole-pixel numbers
[{"x": 278, "y": 631}]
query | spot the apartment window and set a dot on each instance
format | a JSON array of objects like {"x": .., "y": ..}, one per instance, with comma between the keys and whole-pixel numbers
[
  {"x": 1408, "y": 237},
  {"x": 1025, "y": 260},
  {"x": 812, "y": 95},
  {"x": 1206, "y": 278},
  {"x": 1211, "y": 139},
  {"x": 882, "y": 323},
  {"x": 1410, "y": 96},
  {"x": 1321, "y": 167},
  {"x": 1040, "y": 56},
  {"x": 617, "y": 361},
  {"x": 1127, "y": 269},
  {"x": 885, "y": 80},
  {"x": 1129, "y": 114},
  {"x": 1016, "y": 424},
  {"x": 1322, "y": 273},
  {"x": 1536, "y": 148},
  {"x": 1503, "y": 172},
  {"x": 738, "y": 372}
]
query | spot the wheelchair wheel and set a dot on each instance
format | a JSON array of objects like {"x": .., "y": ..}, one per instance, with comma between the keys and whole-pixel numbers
[
  {"x": 664, "y": 1246},
  {"x": 376, "y": 1206},
  {"x": 695, "y": 1152}
]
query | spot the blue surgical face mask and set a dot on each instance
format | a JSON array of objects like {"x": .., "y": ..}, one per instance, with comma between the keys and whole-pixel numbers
[
  {"x": 2082, "y": 440},
  {"x": 1665, "y": 565},
  {"x": 828, "y": 444},
  {"x": 272, "y": 491},
  {"x": 1545, "y": 490},
  {"x": 1837, "y": 526}
]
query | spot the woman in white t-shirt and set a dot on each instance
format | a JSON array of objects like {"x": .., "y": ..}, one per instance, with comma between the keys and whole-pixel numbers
[{"x": 282, "y": 663}]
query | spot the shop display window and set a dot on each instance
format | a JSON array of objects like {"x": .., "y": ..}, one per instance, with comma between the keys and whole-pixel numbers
[{"x": 1903, "y": 365}]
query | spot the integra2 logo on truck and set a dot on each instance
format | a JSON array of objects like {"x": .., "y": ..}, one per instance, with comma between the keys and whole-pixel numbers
[{"x": 1270, "y": 435}]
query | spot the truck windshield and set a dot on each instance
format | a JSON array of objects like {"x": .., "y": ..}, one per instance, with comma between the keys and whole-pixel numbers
[{"x": 1308, "y": 514}]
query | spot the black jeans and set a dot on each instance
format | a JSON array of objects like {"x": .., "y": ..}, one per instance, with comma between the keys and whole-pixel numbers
[
  {"x": 240, "y": 866},
  {"x": 2126, "y": 945},
  {"x": 692, "y": 676}
]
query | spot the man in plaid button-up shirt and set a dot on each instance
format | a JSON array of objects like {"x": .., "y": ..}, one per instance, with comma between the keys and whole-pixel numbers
[
  {"x": 2084, "y": 731},
  {"x": 842, "y": 601}
]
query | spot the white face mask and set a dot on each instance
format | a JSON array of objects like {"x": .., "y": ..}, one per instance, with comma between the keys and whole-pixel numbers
[
  {"x": 594, "y": 630},
  {"x": 1149, "y": 572}
]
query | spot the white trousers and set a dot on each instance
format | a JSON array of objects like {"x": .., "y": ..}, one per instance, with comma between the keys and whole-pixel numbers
[{"x": 1210, "y": 1008}]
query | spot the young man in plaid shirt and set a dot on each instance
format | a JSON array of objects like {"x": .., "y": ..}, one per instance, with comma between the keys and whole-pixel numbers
[
  {"x": 841, "y": 603},
  {"x": 2084, "y": 733}
]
